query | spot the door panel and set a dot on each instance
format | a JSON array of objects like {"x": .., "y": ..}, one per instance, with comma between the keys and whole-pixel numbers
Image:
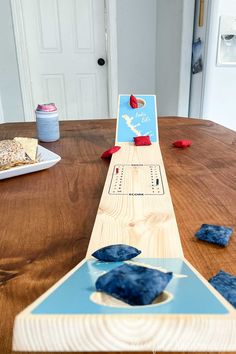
[
  {"x": 86, "y": 91},
  {"x": 49, "y": 27},
  {"x": 54, "y": 86},
  {"x": 64, "y": 40},
  {"x": 84, "y": 39}
]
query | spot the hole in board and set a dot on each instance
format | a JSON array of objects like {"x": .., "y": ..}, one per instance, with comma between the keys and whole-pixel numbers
[
  {"x": 141, "y": 102},
  {"x": 107, "y": 300}
]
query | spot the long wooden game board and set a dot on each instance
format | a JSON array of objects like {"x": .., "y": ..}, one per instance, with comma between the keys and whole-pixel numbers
[{"x": 135, "y": 209}]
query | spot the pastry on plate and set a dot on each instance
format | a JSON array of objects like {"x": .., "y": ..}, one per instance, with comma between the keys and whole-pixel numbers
[
  {"x": 15, "y": 153},
  {"x": 30, "y": 145}
]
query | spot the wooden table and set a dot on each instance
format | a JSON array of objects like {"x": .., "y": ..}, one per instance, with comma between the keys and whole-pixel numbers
[{"x": 47, "y": 217}]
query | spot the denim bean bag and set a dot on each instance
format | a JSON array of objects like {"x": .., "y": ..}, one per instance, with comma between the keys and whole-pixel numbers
[
  {"x": 116, "y": 253},
  {"x": 214, "y": 234},
  {"x": 225, "y": 283},
  {"x": 135, "y": 285}
]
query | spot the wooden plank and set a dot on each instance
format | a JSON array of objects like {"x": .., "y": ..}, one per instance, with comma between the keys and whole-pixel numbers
[
  {"x": 43, "y": 327},
  {"x": 134, "y": 209},
  {"x": 146, "y": 221},
  {"x": 140, "y": 213}
]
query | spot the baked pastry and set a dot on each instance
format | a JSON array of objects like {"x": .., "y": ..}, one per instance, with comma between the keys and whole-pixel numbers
[
  {"x": 30, "y": 146},
  {"x": 12, "y": 154}
]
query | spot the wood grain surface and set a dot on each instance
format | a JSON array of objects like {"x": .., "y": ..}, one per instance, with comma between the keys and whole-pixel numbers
[
  {"x": 47, "y": 217},
  {"x": 146, "y": 222}
]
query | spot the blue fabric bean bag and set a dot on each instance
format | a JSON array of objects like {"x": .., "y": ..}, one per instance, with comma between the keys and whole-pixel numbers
[
  {"x": 225, "y": 283},
  {"x": 116, "y": 253},
  {"x": 214, "y": 234},
  {"x": 135, "y": 285}
]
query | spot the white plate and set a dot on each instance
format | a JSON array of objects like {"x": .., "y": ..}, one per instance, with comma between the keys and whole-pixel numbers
[{"x": 46, "y": 157}]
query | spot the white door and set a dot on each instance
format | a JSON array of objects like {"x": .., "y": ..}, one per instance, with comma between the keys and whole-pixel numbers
[{"x": 64, "y": 40}]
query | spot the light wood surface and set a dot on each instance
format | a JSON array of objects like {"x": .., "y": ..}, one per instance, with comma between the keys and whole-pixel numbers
[
  {"x": 38, "y": 257},
  {"x": 135, "y": 332},
  {"x": 147, "y": 221},
  {"x": 201, "y": 13}
]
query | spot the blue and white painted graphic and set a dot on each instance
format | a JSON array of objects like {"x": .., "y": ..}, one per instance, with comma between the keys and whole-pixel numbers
[
  {"x": 190, "y": 294},
  {"x": 137, "y": 122}
]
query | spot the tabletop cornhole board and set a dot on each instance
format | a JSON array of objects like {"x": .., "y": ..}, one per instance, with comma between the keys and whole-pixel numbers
[{"x": 135, "y": 209}]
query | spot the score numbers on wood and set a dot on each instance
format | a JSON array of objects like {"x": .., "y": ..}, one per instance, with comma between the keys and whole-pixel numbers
[{"x": 136, "y": 179}]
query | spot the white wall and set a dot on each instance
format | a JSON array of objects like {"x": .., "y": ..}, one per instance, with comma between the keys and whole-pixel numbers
[
  {"x": 174, "y": 50},
  {"x": 219, "y": 103},
  {"x": 154, "y": 39},
  {"x": 136, "y": 32},
  {"x": 154, "y": 51},
  {"x": 10, "y": 92}
]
